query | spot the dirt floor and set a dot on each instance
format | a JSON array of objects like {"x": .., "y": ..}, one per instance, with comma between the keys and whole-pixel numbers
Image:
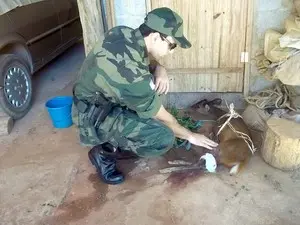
[{"x": 46, "y": 178}]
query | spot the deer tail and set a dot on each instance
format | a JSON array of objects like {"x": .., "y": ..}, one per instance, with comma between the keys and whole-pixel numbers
[{"x": 238, "y": 167}]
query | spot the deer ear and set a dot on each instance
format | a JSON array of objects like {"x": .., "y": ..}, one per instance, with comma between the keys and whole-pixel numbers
[{"x": 200, "y": 104}]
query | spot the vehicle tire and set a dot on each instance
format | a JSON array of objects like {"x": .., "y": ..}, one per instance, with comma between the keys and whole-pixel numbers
[{"x": 15, "y": 86}]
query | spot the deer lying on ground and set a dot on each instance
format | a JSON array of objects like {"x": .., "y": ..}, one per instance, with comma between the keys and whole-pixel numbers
[{"x": 234, "y": 152}]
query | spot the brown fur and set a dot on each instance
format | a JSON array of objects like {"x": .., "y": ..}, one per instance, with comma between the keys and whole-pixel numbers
[{"x": 233, "y": 151}]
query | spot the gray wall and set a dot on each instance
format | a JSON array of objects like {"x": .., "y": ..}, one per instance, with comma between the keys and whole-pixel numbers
[{"x": 130, "y": 12}]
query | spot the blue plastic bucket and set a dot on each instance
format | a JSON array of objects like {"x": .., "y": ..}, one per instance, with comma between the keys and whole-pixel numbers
[{"x": 59, "y": 109}]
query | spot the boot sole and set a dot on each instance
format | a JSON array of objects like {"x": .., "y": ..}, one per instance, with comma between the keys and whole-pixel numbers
[{"x": 93, "y": 161}]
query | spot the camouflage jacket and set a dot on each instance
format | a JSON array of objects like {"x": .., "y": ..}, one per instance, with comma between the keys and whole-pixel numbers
[{"x": 118, "y": 67}]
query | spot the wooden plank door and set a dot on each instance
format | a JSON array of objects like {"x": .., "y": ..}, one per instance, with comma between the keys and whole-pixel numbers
[{"x": 218, "y": 32}]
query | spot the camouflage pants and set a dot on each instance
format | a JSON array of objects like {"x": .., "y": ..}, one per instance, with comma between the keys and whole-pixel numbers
[{"x": 124, "y": 129}]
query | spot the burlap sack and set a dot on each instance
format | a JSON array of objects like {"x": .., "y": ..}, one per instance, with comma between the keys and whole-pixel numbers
[
  {"x": 292, "y": 23},
  {"x": 290, "y": 39},
  {"x": 255, "y": 118},
  {"x": 272, "y": 49},
  {"x": 292, "y": 36},
  {"x": 289, "y": 71}
]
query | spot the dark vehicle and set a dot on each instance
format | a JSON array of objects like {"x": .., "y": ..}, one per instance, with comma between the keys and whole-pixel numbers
[{"x": 30, "y": 37}]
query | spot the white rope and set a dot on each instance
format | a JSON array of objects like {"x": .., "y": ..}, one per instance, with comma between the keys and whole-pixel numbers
[{"x": 232, "y": 114}]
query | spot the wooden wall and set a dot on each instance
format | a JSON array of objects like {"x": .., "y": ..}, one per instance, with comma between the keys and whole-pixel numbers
[
  {"x": 217, "y": 30},
  {"x": 220, "y": 32}
]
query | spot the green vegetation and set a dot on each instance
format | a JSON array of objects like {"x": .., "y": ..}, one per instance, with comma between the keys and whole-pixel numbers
[
  {"x": 185, "y": 121},
  {"x": 188, "y": 123}
]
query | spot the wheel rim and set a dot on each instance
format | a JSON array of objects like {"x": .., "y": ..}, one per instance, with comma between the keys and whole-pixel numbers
[{"x": 16, "y": 86}]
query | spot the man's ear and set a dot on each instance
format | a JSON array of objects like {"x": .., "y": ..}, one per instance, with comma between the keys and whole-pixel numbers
[{"x": 155, "y": 36}]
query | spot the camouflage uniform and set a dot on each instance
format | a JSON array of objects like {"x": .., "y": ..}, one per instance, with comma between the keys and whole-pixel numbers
[{"x": 118, "y": 67}]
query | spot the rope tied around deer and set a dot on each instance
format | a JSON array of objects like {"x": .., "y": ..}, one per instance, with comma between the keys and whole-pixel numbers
[{"x": 233, "y": 114}]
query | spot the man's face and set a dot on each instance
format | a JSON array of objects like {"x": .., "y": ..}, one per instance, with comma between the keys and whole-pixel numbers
[{"x": 162, "y": 46}]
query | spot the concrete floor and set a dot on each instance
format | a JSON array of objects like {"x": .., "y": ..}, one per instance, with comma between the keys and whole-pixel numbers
[
  {"x": 38, "y": 162},
  {"x": 46, "y": 178}
]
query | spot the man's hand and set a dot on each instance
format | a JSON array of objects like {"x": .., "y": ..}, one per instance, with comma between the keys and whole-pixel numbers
[
  {"x": 183, "y": 133},
  {"x": 201, "y": 140},
  {"x": 161, "y": 80}
]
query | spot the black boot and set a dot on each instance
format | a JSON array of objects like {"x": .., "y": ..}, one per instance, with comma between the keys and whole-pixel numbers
[{"x": 103, "y": 157}]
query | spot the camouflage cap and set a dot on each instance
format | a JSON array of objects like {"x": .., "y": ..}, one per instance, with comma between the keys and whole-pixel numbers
[{"x": 168, "y": 22}]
